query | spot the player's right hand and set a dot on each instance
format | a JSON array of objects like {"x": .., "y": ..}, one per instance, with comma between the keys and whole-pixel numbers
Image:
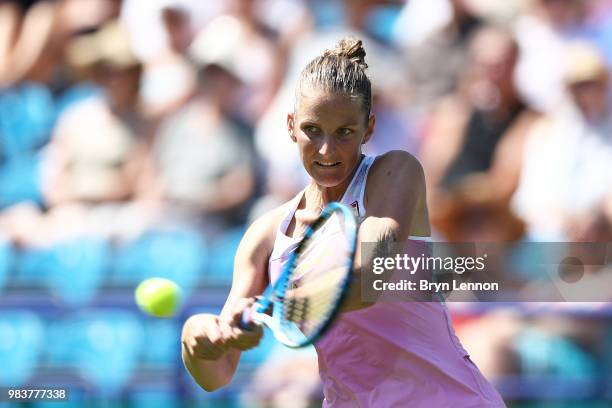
[
  {"x": 206, "y": 336},
  {"x": 242, "y": 338}
]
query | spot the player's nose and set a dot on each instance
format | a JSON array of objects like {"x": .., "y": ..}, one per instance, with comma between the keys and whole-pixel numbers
[{"x": 327, "y": 145}]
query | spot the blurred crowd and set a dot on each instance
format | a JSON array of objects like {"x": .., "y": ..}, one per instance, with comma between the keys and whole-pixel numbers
[
  {"x": 172, "y": 112},
  {"x": 144, "y": 134}
]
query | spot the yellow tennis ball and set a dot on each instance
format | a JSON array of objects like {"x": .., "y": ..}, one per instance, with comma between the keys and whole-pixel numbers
[{"x": 158, "y": 297}]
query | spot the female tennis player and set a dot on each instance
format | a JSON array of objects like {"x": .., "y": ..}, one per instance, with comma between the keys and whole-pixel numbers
[{"x": 378, "y": 355}]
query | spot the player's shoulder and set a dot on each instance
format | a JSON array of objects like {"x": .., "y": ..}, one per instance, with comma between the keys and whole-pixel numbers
[
  {"x": 396, "y": 178},
  {"x": 396, "y": 166}
]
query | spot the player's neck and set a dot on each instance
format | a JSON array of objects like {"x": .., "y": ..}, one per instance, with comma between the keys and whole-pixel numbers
[
  {"x": 318, "y": 196},
  {"x": 321, "y": 196}
]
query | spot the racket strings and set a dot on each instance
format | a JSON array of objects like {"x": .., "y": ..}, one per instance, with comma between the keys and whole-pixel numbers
[{"x": 318, "y": 279}]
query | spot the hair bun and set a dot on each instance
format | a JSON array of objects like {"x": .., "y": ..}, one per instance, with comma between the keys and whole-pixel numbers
[{"x": 350, "y": 48}]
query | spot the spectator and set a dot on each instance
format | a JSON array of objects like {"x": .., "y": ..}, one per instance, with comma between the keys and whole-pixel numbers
[
  {"x": 542, "y": 35},
  {"x": 486, "y": 112},
  {"x": 171, "y": 66},
  {"x": 435, "y": 63},
  {"x": 94, "y": 155},
  {"x": 248, "y": 51},
  {"x": 566, "y": 175},
  {"x": 204, "y": 157}
]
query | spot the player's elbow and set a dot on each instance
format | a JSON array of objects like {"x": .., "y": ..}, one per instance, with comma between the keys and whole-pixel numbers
[
  {"x": 209, "y": 375},
  {"x": 210, "y": 384},
  {"x": 213, "y": 386}
]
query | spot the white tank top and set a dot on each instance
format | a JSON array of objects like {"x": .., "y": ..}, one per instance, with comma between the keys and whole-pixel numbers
[
  {"x": 353, "y": 197},
  {"x": 389, "y": 354}
]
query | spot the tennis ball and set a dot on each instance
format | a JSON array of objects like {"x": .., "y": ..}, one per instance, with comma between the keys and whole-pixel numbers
[{"x": 158, "y": 297}]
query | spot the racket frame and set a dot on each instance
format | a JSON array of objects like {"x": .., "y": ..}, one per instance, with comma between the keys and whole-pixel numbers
[{"x": 274, "y": 294}]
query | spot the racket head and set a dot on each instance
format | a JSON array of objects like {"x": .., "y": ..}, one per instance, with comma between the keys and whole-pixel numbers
[{"x": 308, "y": 293}]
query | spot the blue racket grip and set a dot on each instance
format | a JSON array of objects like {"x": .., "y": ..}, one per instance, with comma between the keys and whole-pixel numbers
[{"x": 246, "y": 321}]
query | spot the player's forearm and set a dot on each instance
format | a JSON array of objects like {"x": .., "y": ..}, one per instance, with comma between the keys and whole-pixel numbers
[
  {"x": 371, "y": 231},
  {"x": 354, "y": 300},
  {"x": 210, "y": 374},
  {"x": 209, "y": 365}
]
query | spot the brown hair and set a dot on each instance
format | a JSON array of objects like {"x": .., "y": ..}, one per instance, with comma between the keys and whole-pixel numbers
[{"x": 341, "y": 69}]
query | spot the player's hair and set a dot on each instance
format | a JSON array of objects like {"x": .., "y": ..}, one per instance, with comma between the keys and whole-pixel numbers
[{"x": 341, "y": 69}]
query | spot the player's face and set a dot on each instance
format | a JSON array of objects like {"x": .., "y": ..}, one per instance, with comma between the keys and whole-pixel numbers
[{"x": 329, "y": 129}]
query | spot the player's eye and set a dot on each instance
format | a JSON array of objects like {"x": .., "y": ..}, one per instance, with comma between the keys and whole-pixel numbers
[
  {"x": 345, "y": 131},
  {"x": 311, "y": 129}
]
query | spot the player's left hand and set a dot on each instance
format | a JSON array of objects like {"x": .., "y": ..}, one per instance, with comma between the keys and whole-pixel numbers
[{"x": 239, "y": 338}]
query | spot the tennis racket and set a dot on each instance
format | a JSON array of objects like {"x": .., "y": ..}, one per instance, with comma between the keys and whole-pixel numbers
[{"x": 302, "y": 303}]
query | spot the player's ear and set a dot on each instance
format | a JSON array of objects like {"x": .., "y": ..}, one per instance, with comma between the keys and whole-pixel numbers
[
  {"x": 370, "y": 129},
  {"x": 291, "y": 126}
]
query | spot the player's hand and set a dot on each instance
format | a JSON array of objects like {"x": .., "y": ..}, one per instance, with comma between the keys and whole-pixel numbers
[
  {"x": 205, "y": 336},
  {"x": 237, "y": 337}
]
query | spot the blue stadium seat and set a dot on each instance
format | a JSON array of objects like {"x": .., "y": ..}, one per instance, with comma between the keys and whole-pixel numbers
[
  {"x": 33, "y": 266},
  {"x": 327, "y": 13},
  {"x": 155, "y": 398},
  {"x": 20, "y": 179},
  {"x": 78, "y": 395},
  {"x": 110, "y": 344},
  {"x": 541, "y": 353},
  {"x": 6, "y": 261},
  {"x": 21, "y": 342},
  {"x": 77, "y": 268},
  {"x": 380, "y": 22},
  {"x": 221, "y": 265},
  {"x": 62, "y": 341},
  {"x": 259, "y": 354},
  {"x": 163, "y": 343},
  {"x": 28, "y": 116},
  {"x": 179, "y": 255}
]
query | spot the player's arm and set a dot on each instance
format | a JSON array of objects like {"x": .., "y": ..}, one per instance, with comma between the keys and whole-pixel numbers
[
  {"x": 211, "y": 345},
  {"x": 397, "y": 209}
]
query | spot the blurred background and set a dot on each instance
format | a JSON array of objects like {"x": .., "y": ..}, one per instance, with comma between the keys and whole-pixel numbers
[{"x": 139, "y": 138}]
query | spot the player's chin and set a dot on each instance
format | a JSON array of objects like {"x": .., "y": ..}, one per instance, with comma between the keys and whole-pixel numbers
[
  {"x": 328, "y": 176},
  {"x": 328, "y": 181}
]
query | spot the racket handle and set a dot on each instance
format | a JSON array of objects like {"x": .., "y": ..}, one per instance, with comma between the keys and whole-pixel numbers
[{"x": 246, "y": 321}]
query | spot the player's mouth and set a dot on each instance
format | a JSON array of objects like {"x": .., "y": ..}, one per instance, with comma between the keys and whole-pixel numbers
[{"x": 327, "y": 164}]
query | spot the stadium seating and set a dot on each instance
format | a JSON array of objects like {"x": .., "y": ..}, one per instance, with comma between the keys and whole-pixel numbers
[
  {"x": 155, "y": 398},
  {"x": 221, "y": 265},
  {"x": 163, "y": 343},
  {"x": 28, "y": 116},
  {"x": 6, "y": 261},
  {"x": 179, "y": 255},
  {"x": 77, "y": 268},
  {"x": 108, "y": 347},
  {"x": 26, "y": 123},
  {"x": 21, "y": 342}
]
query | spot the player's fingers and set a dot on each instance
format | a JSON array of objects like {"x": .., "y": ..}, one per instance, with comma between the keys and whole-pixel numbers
[
  {"x": 203, "y": 349},
  {"x": 229, "y": 332},
  {"x": 210, "y": 353},
  {"x": 203, "y": 337},
  {"x": 212, "y": 334},
  {"x": 239, "y": 337},
  {"x": 241, "y": 306},
  {"x": 214, "y": 340},
  {"x": 247, "y": 339}
]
